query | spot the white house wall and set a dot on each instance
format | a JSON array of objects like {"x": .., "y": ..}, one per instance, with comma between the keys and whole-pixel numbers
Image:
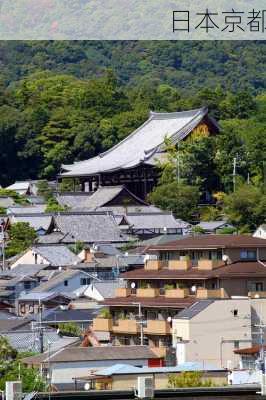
[{"x": 29, "y": 258}]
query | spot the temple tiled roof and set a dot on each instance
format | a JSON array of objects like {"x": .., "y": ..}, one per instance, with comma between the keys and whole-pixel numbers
[{"x": 144, "y": 145}]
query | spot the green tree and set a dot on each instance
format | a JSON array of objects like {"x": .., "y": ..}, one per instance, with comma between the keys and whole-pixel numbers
[
  {"x": 21, "y": 236},
  {"x": 188, "y": 379},
  {"x": 44, "y": 190},
  {"x": 179, "y": 198},
  {"x": 246, "y": 208},
  {"x": 53, "y": 206}
]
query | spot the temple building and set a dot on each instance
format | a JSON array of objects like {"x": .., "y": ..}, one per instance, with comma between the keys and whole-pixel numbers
[{"x": 133, "y": 161}]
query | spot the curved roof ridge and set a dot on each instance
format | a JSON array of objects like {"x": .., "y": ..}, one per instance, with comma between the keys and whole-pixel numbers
[{"x": 162, "y": 115}]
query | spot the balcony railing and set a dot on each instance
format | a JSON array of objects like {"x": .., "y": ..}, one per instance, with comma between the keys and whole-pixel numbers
[
  {"x": 183, "y": 265},
  {"x": 211, "y": 294},
  {"x": 125, "y": 326},
  {"x": 157, "y": 327},
  {"x": 102, "y": 324},
  {"x": 209, "y": 264},
  {"x": 148, "y": 292},
  {"x": 122, "y": 292},
  {"x": 176, "y": 293},
  {"x": 155, "y": 264}
]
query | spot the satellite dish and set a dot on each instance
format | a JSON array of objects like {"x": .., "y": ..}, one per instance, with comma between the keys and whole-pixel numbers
[
  {"x": 193, "y": 288},
  {"x": 225, "y": 257},
  {"x": 133, "y": 285},
  {"x": 169, "y": 319},
  {"x": 126, "y": 254},
  {"x": 87, "y": 386},
  {"x": 257, "y": 296}
]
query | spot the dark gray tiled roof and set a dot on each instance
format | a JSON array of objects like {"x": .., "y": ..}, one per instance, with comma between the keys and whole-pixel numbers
[
  {"x": 57, "y": 255},
  {"x": 27, "y": 269},
  {"x": 212, "y": 225},
  {"x": 77, "y": 354},
  {"x": 142, "y": 144},
  {"x": 122, "y": 210},
  {"x": 74, "y": 200},
  {"x": 55, "y": 281},
  {"x": 194, "y": 309},
  {"x": 89, "y": 227},
  {"x": 153, "y": 221}
]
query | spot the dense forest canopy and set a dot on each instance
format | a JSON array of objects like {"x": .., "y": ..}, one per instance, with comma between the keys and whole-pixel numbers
[{"x": 65, "y": 101}]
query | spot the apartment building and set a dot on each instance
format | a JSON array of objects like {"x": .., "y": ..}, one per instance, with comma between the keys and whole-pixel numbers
[
  {"x": 211, "y": 330},
  {"x": 175, "y": 276}
]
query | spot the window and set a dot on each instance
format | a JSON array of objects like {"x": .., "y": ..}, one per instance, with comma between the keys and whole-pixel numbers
[
  {"x": 235, "y": 313},
  {"x": 258, "y": 286},
  {"x": 236, "y": 344},
  {"x": 85, "y": 281},
  {"x": 248, "y": 254},
  {"x": 65, "y": 283}
]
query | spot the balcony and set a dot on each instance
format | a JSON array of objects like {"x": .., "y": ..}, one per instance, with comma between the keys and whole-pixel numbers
[
  {"x": 155, "y": 265},
  {"x": 102, "y": 324},
  {"x": 122, "y": 292},
  {"x": 125, "y": 326},
  {"x": 209, "y": 264},
  {"x": 176, "y": 293},
  {"x": 157, "y": 327},
  {"x": 148, "y": 292},
  {"x": 182, "y": 265},
  {"x": 211, "y": 294}
]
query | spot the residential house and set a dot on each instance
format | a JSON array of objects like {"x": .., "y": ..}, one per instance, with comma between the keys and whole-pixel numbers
[
  {"x": 67, "y": 281},
  {"x": 68, "y": 364},
  {"x": 213, "y": 227},
  {"x": 175, "y": 276},
  {"x": 210, "y": 330},
  {"x": 34, "y": 303},
  {"x": 23, "y": 334},
  {"x": 86, "y": 227},
  {"x": 16, "y": 285},
  {"x": 122, "y": 376},
  {"x": 146, "y": 225},
  {"x": 50, "y": 255},
  {"x": 260, "y": 232}
]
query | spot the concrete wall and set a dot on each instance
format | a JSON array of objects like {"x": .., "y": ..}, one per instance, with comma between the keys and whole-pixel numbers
[
  {"x": 212, "y": 334},
  {"x": 126, "y": 382}
]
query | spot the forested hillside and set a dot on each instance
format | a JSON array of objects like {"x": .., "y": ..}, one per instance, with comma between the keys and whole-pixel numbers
[{"x": 61, "y": 101}]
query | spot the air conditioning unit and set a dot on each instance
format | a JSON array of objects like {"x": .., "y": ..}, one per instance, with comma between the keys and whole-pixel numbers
[
  {"x": 145, "y": 387},
  {"x": 13, "y": 390}
]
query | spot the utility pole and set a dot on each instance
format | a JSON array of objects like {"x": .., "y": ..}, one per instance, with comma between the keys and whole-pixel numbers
[
  {"x": 234, "y": 173},
  {"x": 40, "y": 327}
]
